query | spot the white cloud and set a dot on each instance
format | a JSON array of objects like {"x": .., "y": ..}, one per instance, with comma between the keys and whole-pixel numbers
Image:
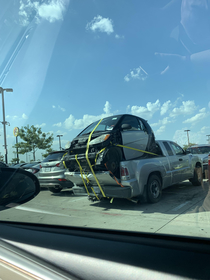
[
  {"x": 164, "y": 121},
  {"x": 51, "y": 10},
  {"x": 146, "y": 112},
  {"x": 187, "y": 108},
  {"x": 126, "y": 78},
  {"x": 107, "y": 107},
  {"x": 161, "y": 129},
  {"x": 198, "y": 117},
  {"x": 180, "y": 137},
  {"x": 205, "y": 129},
  {"x": 40, "y": 125},
  {"x": 62, "y": 109},
  {"x": 136, "y": 74},
  {"x": 165, "y": 107},
  {"x": 72, "y": 123},
  {"x": 209, "y": 104},
  {"x": 101, "y": 24},
  {"x": 59, "y": 107},
  {"x": 57, "y": 124},
  {"x": 24, "y": 116},
  {"x": 119, "y": 36},
  {"x": 61, "y": 132}
]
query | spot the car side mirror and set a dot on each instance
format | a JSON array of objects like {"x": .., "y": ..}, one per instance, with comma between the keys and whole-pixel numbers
[
  {"x": 17, "y": 186},
  {"x": 126, "y": 126}
]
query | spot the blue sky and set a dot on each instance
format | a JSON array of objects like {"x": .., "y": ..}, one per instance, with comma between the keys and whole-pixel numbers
[{"x": 79, "y": 61}]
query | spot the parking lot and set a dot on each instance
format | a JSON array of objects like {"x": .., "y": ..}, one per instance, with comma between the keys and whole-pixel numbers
[{"x": 183, "y": 209}]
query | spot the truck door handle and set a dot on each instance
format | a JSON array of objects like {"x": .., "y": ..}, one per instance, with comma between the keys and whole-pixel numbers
[{"x": 180, "y": 159}]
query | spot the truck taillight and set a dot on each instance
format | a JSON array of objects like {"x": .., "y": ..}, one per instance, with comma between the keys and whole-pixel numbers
[
  {"x": 58, "y": 164},
  {"x": 124, "y": 173}
]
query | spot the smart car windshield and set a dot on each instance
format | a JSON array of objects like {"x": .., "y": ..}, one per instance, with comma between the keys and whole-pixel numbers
[
  {"x": 103, "y": 125},
  {"x": 141, "y": 66}
]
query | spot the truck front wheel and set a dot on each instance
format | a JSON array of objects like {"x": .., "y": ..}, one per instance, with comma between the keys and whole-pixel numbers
[{"x": 154, "y": 189}]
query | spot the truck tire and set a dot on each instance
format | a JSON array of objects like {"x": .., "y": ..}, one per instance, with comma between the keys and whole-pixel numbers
[
  {"x": 54, "y": 190},
  {"x": 154, "y": 189},
  {"x": 195, "y": 181}
]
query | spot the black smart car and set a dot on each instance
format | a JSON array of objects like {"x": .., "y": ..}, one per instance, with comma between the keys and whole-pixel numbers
[{"x": 109, "y": 141}]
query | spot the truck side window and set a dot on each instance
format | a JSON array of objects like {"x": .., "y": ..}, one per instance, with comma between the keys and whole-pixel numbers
[
  {"x": 132, "y": 121},
  {"x": 168, "y": 148},
  {"x": 178, "y": 150}
]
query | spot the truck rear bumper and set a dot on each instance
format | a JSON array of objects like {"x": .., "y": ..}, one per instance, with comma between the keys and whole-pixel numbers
[{"x": 110, "y": 191}]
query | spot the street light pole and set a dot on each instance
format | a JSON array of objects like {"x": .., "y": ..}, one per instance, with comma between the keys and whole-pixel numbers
[
  {"x": 208, "y": 138},
  {"x": 4, "y": 122},
  {"x": 187, "y": 130},
  {"x": 59, "y": 140}
]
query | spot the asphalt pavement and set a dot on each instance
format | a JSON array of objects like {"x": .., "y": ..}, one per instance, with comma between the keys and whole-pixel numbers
[{"x": 184, "y": 210}]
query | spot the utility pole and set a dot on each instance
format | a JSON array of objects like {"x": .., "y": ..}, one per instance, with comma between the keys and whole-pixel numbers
[
  {"x": 187, "y": 130},
  {"x": 208, "y": 138},
  {"x": 4, "y": 122},
  {"x": 59, "y": 141}
]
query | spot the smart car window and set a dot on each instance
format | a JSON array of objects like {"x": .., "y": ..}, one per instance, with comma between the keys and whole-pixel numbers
[{"x": 132, "y": 121}]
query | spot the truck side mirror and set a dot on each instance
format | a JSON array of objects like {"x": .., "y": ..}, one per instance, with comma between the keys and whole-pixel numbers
[{"x": 126, "y": 126}]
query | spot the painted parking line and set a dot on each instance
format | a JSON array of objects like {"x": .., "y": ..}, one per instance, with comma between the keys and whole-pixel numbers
[
  {"x": 39, "y": 211},
  {"x": 180, "y": 206}
]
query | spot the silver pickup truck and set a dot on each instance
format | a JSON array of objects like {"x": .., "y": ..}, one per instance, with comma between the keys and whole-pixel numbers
[{"x": 141, "y": 177}]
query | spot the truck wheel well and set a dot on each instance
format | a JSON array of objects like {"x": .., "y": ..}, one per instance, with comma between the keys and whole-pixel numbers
[{"x": 156, "y": 173}]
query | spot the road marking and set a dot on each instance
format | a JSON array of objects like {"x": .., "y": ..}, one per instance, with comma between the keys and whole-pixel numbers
[
  {"x": 86, "y": 197},
  {"x": 180, "y": 206},
  {"x": 39, "y": 211}
]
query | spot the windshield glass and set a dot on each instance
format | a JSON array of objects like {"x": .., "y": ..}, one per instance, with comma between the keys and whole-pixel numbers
[
  {"x": 105, "y": 124},
  {"x": 67, "y": 64},
  {"x": 54, "y": 157},
  {"x": 200, "y": 150}
]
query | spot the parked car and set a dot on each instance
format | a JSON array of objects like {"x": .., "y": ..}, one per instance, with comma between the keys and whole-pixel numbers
[
  {"x": 51, "y": 174},
  {"x": 202, "y": 151},
  {"x": 113, "y": 139},
  {"x": 18, "y": 165},
  {"x": 143, "y": 177},
  {"x": 2, "y": 164},
  {"x": 32, "y": 167}
]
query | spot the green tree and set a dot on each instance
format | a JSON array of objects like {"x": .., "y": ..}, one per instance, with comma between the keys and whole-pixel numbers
[
  {"x": 1, "y": 157},
  {"x": 187, "y": 146},
  {"x": 14, "y": 160},
  {"x": 50, "y": 150},
  {"x": 34, "y": 139}
]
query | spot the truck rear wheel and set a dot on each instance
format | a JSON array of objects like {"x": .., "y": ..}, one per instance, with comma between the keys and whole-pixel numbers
[{"x": 154, "y": 189}]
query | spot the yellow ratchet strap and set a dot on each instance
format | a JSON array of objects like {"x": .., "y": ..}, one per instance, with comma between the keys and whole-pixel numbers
[
  {"x": 64, "y": 161},
  {"x": 99, "y": 153},
  {"x": 135, "y": 149},
  {"x": 86, "y": 154},
  {"x": 94, "y": 193},
  {"x": 81, "y": 171}
]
